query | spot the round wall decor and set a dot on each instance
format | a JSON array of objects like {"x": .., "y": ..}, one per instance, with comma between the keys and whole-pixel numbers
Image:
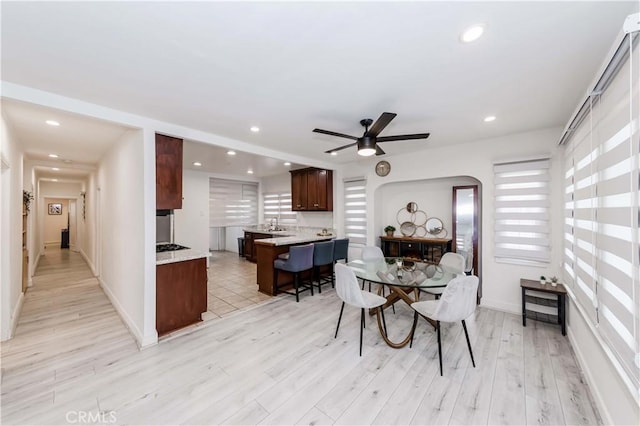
[{"x": 383, "y": 168}]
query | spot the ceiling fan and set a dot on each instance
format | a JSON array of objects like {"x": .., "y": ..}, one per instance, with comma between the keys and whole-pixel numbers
[{"x": 368, "y": 142}]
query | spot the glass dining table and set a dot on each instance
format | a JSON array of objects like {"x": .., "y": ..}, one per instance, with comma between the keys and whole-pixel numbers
[{"x": 404, "y": 278}]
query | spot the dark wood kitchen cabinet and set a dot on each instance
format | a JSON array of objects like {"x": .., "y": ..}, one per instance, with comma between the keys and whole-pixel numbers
[
  {"x": 249, "y": 246},
  {"x": 168, "y": 173},
  {"x": 312, "y": 190},
  {"x": 181, "y": 294}
]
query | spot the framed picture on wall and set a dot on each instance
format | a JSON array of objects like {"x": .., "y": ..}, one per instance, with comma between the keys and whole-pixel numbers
[{"x": 55, "y": 208}]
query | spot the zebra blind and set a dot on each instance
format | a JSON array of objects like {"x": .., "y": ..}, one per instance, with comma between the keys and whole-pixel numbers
[
  {"x": 355, "y": 212},
  {"x": 601, "y": 240},
  {"x": 278, "y": 206},
  {"x": 232, "y": 203},
  {"x": 522, "y": 211}
]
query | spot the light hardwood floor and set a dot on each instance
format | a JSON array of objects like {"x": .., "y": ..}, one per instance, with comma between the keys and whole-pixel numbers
[{"x": 277, "y": 363}]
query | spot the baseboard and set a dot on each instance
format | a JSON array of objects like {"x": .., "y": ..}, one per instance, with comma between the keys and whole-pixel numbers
[
  {"x": 128, "y": 322},
  {"x": 511, "y": 308},
  {"x": 89, "y": 262},
  {"x": 16, "y": 315}
]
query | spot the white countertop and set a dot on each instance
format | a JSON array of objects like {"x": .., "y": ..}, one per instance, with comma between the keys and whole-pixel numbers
[
  {"x": 279, "y": 233},
  {"x": 294, "y": 239},
  {"x": 179, "y": 256}
]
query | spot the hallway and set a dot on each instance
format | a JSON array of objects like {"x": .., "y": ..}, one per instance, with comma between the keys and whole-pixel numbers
[{"x": 67, "y": 329}]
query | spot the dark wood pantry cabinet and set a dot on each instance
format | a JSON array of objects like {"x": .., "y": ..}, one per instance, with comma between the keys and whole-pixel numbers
[
  {"x": 168, "y": 172},
  {"x": 312, "y": 190}
]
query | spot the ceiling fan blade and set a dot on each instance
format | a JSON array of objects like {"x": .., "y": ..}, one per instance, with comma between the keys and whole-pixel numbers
[
  {"x": 379, "y": 150},
  {"x": 403, "y": 137},
  {"x": 380, "y": 124},
  {"x": 340, "y": 148},
  {"x": 330, "y": 133}
]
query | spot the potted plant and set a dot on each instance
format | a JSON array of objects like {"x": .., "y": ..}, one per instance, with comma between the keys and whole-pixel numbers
[
  {"x": 554, "y": 281},
  {"x": 389, "y": 229},
  {"x": 27, "y": 197},
  {"x": 543, "y": 280}
]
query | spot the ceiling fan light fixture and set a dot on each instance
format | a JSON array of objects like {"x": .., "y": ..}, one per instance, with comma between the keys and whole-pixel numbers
[{"x": 366, "y": 146}]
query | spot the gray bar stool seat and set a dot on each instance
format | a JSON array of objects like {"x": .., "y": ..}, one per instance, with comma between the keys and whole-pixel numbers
[
  {"x": 300, "y": 260},
  {"x": 323, "y": 256}
]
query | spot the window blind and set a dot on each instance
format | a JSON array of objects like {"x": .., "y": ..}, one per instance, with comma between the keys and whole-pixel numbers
[
  {"x": 601, "y": 246},
  {"x": 278, "y": 206},
  {"x": 522, "y": 211},
  {"x": 355, "y": 212},
  {"x": 232, "y": 203}
]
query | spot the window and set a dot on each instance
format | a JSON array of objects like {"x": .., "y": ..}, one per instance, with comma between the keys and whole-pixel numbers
[
  {"x": 232, "y": 203},
  {"x": 522, "y": 212},
  {"x": 601, "y": 255},
  {"x": 355, "y": 212},
  {"x": 278, "y": 206}
]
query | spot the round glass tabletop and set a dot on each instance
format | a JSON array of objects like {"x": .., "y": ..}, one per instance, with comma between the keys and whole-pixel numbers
[{"x": 395, "y": 271}]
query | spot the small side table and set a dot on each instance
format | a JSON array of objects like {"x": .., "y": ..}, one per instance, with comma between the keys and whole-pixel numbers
[{"x": 558, "y": 290}]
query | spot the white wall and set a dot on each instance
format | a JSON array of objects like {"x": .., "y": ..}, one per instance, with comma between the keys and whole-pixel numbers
[
  {"x": 53, "y": 223},
  {"x": 51, "y": 190},
  {"x": 192, "y": 221},
  {"x": 11, "y": 295},
  {"x": 501, "y": 282},
  {"x": 433, "y": 197},
  {"x": 121, "y": 192},
  {"x": 616, "y": 403}
]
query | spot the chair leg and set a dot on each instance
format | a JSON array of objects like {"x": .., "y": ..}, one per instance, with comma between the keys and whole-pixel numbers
[
  {"x": 275, "y": 281},
  {"x": 439, "y": 346},
  {"x": 333, "y": 269},
  {"x": 361, "y": 327},
  {"x": 339, "y": 319},
  {"x": 316, "y": 270},
  {"x": 384, "y": 322},
  {"x": 464, "y": 326},
  {"x": 413, "y": 327},
  {"x": 295, "y": 283}
]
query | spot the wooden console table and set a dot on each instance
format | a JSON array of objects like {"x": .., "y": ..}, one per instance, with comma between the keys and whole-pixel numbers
[
  {"x": 542, "y": 308},
  {"x": 428, "y": 249}
]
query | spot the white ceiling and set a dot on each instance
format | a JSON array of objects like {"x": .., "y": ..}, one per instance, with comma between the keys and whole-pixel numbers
[{"x": 289, "y": 67}]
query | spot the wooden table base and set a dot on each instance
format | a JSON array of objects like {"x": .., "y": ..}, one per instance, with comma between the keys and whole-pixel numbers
[{"x": 396, "y": 294}]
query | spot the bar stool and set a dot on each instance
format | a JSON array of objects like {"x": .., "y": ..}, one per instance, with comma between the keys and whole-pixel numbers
[
  {"x": 341, "y": 250},
  {"x": 300, "y": 259},
  {"x": 323, "y": 255}
]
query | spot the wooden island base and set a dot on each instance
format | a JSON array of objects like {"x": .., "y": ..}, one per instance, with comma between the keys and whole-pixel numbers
[{"x": 266, "y": 253}]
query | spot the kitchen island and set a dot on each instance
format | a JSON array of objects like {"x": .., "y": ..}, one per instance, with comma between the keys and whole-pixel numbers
[
  {"x": 181, "y": 289},
  {"x": 268, "y": 250}
]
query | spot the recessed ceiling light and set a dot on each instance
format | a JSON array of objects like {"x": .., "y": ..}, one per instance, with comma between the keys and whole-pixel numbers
[
  {"x": 231, "y": 153},
  {"x": 54, "y": 180},
  {"x": 250, "y": 171},
  {"x": 489, "y": 118},
  {"x": 255, "y": 129},
  {"x": 334, "y": 153},
  {"x": 53, "y": 155},
  {"x": 55, "y": 169},
  {"x": 197, "y": 163},
  {"x": 472, "y": 33},
  {"x": 52, "y": 123},
  {"x": 287, "y": 163}
]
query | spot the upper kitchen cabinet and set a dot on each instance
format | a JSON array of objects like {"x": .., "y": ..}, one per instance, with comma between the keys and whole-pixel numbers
[
  {"x": 168, "y": 173},
  {"x": 312, "y": 190}
]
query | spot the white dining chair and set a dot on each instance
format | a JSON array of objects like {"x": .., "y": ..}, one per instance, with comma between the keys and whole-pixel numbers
[
  {"x": 370, "y": 253},
  {"x": 457, "y": 303},
  {"x": 449, "y": 262},
  {"x": 349, "y": 291}
]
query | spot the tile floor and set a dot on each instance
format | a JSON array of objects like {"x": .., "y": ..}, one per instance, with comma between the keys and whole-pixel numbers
[{"x": 232, "y": 284}]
